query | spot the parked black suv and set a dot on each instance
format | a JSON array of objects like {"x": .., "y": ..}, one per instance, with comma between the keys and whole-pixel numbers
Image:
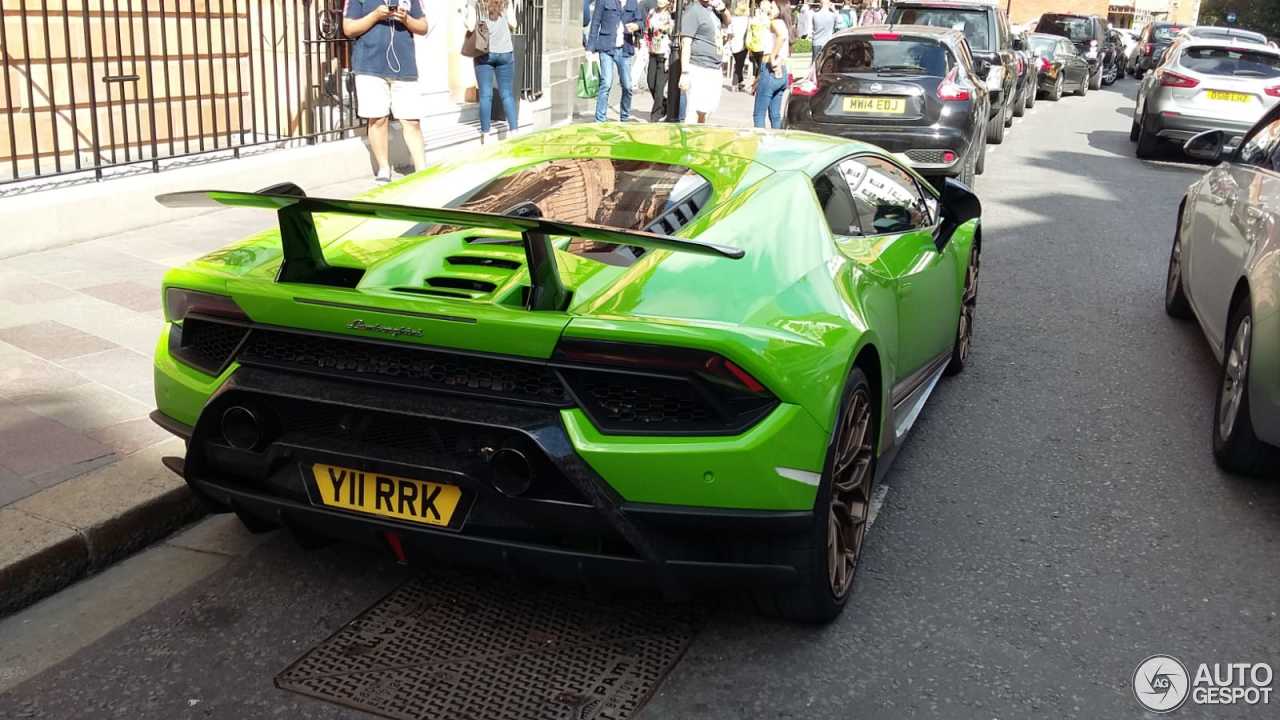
[
  {"x": 1092, "y": 37},
  {"x": 1155, "y": 39},
  {"x": 912, "y": 90},
  {"x": 986, "y": 28}
]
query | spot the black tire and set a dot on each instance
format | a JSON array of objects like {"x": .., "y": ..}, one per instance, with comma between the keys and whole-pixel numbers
[
  {"x": 1032, "y": 91},
  {"x": 819, "y": 595},
  {"x": 1095, "y": 80},
  {"x": 1113, "y": 73},
  {"x": 1056, "y": 94},
  {"x": 1175, "y": 296},
  {"x": 1133, "y": 129},
  {"x": 968, "y": 306},
  {"x": 1008, "y": 113},
  {"x": 1236, "y": 447},
  {"x": 980, "y": 165},
  {"x": 995, "y": 129},
  {"x": 1148, "y": 144},
  {"x": 1084, "y": 86},
  {"x": 1020, "y": 106}
]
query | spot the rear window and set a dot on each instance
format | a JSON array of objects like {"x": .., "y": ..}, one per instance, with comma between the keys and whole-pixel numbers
[
  {"x": 1224, "y": 33},
  {"x": 625, "y": 194},
  {"x": 1165, "y": 33},
  {"x": 1231, "y": 62},
  {"x": 865, "y": 55},
  {"x": 1045, "y": 46},
  {"x": 974, "y": 23},
  {"x": 1075, "y": 29}
]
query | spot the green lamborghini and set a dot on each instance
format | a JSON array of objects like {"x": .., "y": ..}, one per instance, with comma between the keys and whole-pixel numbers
[{"x": 679, "y": 356}]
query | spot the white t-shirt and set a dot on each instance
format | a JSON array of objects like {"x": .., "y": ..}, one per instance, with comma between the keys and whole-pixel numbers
[{"x": 738, "y": 26}]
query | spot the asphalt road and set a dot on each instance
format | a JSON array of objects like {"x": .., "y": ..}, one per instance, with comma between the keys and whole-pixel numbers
[{"x": 1054, "y": 518}]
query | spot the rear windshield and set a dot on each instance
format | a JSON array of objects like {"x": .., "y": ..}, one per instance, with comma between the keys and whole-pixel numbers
[
  {"x": 977, "y": 30},
  {"x": 624, "y": 194},
  {"x": 1164, "y": 33},
  {"x": 1225, "y": 33},
  {"x": 887, "y": 57},
  {"x": 1231, "y": 62},
  {"x": 1075, "y": 29},
  {"x": 1045, "y": 46}
]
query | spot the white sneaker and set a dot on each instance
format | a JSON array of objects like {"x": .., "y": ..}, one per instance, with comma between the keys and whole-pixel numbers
[{"x": 383, "y": 177}]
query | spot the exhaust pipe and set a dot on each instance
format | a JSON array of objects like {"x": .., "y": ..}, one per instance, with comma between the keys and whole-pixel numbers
[
  {"x": 510, "y": 472},
  {"x": 241, "y": 427}
]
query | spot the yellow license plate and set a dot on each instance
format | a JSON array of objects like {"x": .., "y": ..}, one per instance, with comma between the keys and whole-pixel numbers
[
  {"x": 1228, "y": 96},
  {"x": 881, "y": 105},
  {"x": 386, "y": 495}
]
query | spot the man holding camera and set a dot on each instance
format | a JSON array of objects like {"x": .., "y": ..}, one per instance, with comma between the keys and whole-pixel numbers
[
  {"x": 386, "y": 71},
  {"x": 701, "y": 26}
]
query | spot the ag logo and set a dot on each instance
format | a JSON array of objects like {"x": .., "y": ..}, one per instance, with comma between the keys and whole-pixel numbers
[{"x": 1161, "y": 683}]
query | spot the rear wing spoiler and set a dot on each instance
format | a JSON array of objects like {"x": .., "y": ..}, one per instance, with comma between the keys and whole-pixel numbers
[{"x": 303, "y": 260}]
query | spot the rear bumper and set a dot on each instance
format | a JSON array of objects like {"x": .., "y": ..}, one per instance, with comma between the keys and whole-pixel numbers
[
  {"x": 903, "y": 142},
  {"x": 571, "y": 524},
  {"x": 1180, "y": 128}
]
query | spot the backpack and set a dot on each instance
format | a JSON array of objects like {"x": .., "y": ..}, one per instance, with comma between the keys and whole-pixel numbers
[{"x": 755, "y": 35}]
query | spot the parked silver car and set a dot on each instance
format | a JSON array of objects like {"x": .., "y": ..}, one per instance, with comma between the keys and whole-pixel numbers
[
  {"x": 1224, "y": 270},
  {"x": 1214, "y": 32},
  {"x": 1205, "y": 85}
]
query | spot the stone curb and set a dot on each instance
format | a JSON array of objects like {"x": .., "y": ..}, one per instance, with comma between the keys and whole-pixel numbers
[{"x": 64, "y": 533}]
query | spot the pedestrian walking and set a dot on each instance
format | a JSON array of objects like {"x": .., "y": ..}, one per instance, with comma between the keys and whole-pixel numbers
[
  {"x": 846, "y": 16},
  {"x": 824, "y": 26},
  {"x": 700, "y": 26},
  {"x": 771, "y": 83},
  {"x": 804, "y": 23},
  {"x": 383, "y": 60},
  {"x": 738, "y": 25},
  {"x": 757, "y": 33},
  {"x": 658, "y": 27},
  {"x": 612, "y": 29},
  {"x": 498, "y": 64}
]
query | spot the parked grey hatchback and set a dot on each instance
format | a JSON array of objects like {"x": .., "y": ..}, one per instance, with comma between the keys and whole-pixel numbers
[{"x": 1224, "y": 271}]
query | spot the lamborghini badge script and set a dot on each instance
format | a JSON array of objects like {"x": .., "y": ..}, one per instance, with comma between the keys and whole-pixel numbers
[{"x": 381, "y": 329}]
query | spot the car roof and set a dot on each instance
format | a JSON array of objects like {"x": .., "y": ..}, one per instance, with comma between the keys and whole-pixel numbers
[
  {"x": 1194, "y": 42},
  {"x": 962, "y": 4},
  {"x": 1046, "y": 36},
  {"x": 918, "y": 30}
]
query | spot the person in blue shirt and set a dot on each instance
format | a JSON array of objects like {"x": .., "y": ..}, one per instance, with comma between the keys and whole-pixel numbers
[
  {"x": 382, "y": 58},
  {"x": 612, "y": 29}
]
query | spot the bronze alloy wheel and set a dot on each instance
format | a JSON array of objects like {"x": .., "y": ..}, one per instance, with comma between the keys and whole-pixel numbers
[
  {"x": 968, "y": 306},
  {"x": 850, "y": 493},
  {"x": 1235, "y": 378}
]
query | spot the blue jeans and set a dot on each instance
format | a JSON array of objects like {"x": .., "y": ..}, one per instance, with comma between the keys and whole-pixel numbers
[
  {"x": 503, "y": 67},
  {"x": 817, "y": 50},
  {"x": 769, "y": 93},
  {"x": 608, "y": 61}
]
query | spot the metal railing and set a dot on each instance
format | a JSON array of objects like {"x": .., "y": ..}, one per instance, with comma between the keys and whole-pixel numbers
[{"x": 91, "y": 85}]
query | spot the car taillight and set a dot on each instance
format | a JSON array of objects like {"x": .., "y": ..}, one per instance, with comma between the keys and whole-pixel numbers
[
  {"x": 653, "y": 389},
  {"x": 1044, "y": 65},
  {"x": 1022, "y": 67},
  {"x": 1168, "y": 78},
  {"x": 948, "y": 89},
  {"x": 180, "y": 302},
  {"x": 808, "y": 87},
  {"x": 1273, "y": 91},
  {"x": 1147, "y": 48},
  {"x": 886, "y": 36}
]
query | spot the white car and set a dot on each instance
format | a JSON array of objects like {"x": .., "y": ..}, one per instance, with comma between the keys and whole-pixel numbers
[{"x": 1205, "y": 85}]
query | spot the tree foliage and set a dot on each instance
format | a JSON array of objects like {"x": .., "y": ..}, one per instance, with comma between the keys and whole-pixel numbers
[{"x": 1260, "y": 15}]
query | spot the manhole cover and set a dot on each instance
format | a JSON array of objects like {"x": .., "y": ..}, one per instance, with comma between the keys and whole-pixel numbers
[{"x": 457, "y": 647}]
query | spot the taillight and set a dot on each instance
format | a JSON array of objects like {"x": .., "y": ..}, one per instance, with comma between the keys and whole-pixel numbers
[
  {"x": 807, "y": 87},
  {"x": 653, "y": 389},
  {"x": 948, "y": 89},
  {"x": 1168, "y": 78},
  {"x": 885, "y": 36},
  {"x": 208, "y": 329},
  {"x": 1022, "y": 67},
  {"x": 179, "y": 302},
  {"x": 1044, "y": 65},
  {"x": 1147, "y": 48},
  {"x": 1273, "y": 91}
]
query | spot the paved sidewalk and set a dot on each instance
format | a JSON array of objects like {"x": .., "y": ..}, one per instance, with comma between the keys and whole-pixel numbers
[{"x": 77, "y": 328}]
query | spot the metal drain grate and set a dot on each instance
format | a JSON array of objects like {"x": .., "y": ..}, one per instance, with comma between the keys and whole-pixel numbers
[{"x": 456, "y": 647}]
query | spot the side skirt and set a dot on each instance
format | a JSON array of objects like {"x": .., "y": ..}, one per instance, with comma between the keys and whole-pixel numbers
[{"x": 909, "y": 397}]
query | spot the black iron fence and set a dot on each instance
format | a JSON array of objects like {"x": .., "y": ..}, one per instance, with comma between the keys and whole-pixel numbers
[{"x": 94, "y": 84}]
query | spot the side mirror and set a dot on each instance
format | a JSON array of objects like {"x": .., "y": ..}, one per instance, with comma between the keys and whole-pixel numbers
[
  {"x": 959, "y": 206},
  {"x": 1209, "y": 145},
  {"x": 1018, "y": 44},
  {"x": 982, "y": 67}
]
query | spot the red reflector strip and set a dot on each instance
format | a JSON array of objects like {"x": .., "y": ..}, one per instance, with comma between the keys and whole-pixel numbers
[
  {"x": 743, "y": 377},
  {"x": 948, "y": 157},
  {"x": 393, "y": 542}
]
